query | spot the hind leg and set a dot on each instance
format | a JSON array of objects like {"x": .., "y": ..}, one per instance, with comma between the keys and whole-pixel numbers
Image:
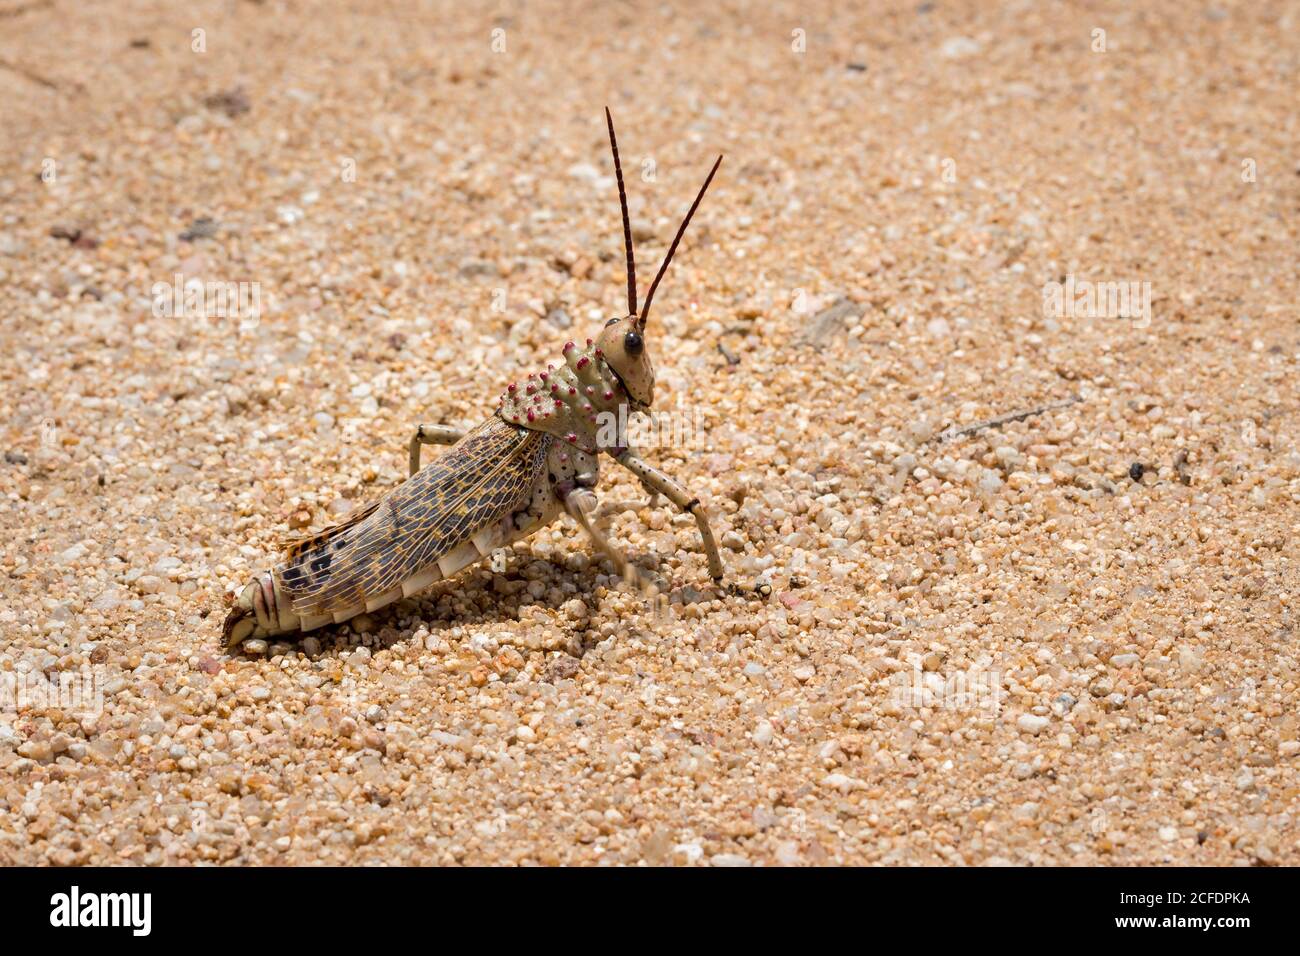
[{"x": 432, "y": 435}]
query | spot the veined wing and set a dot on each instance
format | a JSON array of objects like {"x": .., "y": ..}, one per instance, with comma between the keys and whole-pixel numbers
[{"x": 480, "y": 480}]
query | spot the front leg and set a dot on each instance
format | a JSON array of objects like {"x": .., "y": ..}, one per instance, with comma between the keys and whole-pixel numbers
[
  {"x": 432, "y": 435},
  {"x": 656, "y": 481}
]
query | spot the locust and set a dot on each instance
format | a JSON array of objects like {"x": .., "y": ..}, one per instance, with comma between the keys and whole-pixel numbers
[{"x": 536, "y": 457}]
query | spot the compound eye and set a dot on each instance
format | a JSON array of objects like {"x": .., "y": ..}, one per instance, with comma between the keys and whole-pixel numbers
[
  {"x": 632, "y": 344},
  {"x": 613, "y": 321}
]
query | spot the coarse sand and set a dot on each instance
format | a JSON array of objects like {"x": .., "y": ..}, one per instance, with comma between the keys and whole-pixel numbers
[{"x": 981, "y": 353}]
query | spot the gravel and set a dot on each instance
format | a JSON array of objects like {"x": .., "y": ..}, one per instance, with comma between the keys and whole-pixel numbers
[{"x": 999, "y": 648}]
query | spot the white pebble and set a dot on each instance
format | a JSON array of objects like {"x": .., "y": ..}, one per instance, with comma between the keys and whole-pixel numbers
[
  {"x": 691, "y": 851},
  {"x": 1031, "y": 723}
]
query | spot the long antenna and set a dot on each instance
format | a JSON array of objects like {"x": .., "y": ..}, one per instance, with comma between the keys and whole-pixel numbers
[
  {"x": 673, "y": 248},
  {"x": 627, "y": 223}
]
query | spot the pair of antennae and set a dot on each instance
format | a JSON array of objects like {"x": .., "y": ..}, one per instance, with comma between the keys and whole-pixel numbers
[{"x": 627, "y": 232}]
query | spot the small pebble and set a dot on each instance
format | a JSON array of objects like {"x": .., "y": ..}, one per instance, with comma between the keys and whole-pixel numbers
[{"x": 1032, "y": 724}]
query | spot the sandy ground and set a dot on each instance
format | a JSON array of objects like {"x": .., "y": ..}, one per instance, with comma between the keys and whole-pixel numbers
[{"x": 1065, "y": 638}]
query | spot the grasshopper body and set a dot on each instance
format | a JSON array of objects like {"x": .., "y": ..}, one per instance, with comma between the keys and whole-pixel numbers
[{"x": 536, "y": 457}]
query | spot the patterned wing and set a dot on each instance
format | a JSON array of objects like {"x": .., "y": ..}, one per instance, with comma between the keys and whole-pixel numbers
[
  {"x": 297, "y": 544},
  {"x": 480, "y": 480}
]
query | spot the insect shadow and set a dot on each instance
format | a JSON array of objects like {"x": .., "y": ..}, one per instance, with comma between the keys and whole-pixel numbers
[{"x": 476, "y": 600}]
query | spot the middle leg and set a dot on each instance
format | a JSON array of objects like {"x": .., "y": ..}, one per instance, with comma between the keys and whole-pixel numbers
[{"x": 581, "y": 504}]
